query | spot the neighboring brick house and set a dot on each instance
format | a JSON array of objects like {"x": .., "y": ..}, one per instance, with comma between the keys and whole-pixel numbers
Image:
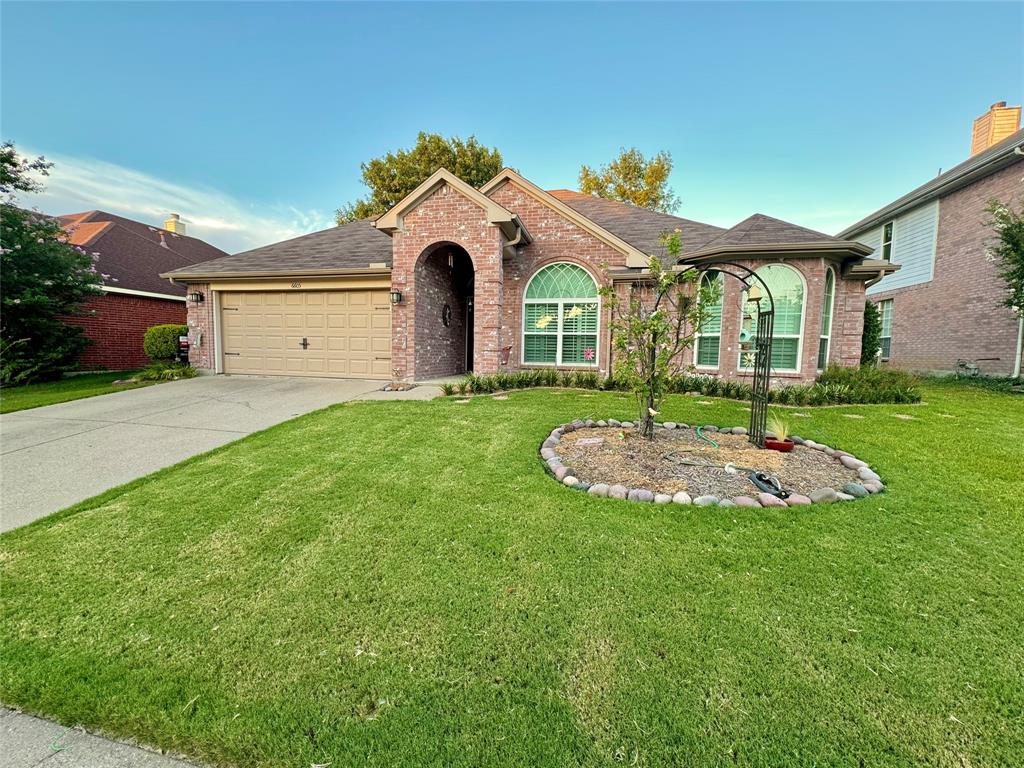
[
  {"x": 130, "y": 255},
  {"x": 945, "y": 306},
  {"x": 505, "y": 278}
]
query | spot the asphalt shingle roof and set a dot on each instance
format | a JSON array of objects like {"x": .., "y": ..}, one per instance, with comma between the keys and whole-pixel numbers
[
  {"x": 354, "y": 245},
  {"x": 134, "y": 254},
  {"x": 765, "y": 230}
]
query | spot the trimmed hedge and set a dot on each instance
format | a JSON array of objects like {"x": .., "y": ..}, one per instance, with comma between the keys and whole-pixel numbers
[
  {"x": 835, "y": 386},
  {"x": 161, "y": 341}
]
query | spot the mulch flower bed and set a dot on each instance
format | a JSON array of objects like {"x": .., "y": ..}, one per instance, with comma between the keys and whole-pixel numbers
[{"x": 609, "y": 458}]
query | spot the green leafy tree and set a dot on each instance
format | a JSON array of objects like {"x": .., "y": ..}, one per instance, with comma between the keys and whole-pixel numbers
[
  {"x": 44, "y": 279},
  {"x": 396, "y": 174},
  {"x": 871, "y": 335},
  {"x": 1008, "y": 250},
  {"x": 632, "y": 178},
  {"x": 652, "y": 326}
]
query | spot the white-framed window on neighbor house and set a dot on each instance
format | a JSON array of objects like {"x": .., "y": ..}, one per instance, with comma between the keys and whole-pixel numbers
[
  {"x": 887, "y": 240},
  {"x": 885, "y": 312},
  {"x": 561, "y": 317},
  {"x": 709, "y": 335},
  {"x": 826, "y": 318},
  {"x": 789, "y": 292}
]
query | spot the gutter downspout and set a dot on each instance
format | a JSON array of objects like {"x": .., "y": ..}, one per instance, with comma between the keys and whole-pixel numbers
[{"x": 1020, "y": 347}]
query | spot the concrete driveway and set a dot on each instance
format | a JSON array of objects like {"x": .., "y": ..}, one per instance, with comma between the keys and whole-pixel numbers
[{"x": 58, "y": 455}]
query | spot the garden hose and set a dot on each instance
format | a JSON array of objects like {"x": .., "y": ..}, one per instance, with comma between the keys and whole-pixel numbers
[{"x": 705, "y": 438}]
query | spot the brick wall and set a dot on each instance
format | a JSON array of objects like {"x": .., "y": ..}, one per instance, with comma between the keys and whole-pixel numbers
[
  {"x": 446, "y": 216},
  {"x": 200, "y": 329},
  {"x": 116, "y": 324},
  {"x": 959, "y": 313},
  {"x": 555, "y": 238}
]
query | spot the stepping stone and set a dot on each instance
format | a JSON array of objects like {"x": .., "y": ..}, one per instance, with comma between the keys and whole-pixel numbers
[
  {"x": 598, "y": 489},
  {"x": 853, "y": 416},
  {"x": 767, "y": 500},
  {"x": 682, "y": 497},
  {"x": 903, "y": 416}
]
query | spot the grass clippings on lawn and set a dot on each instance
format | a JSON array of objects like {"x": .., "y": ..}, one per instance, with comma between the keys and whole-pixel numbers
[
  {"x": 397, "y": 583},
  {"x": 64, "y": 390}
]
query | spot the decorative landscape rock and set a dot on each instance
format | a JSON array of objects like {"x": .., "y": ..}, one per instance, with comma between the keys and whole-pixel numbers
[
  {"x": 856, "y": 490},
  {"x": 735, "y": 458},
  {"x": 617, "y": 492},
  {"x": 824, "y": 495}
]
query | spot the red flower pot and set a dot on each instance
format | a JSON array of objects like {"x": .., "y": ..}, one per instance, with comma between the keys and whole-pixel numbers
[{"x": 784, "y": 446}]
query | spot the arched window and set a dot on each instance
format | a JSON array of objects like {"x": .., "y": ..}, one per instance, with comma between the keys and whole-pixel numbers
[
  {"x": 560, "y": 317},
  {"x": 709, "y": 335},
  {"x": 826, "y": 318},
  {"x": 787, "y": 287}
]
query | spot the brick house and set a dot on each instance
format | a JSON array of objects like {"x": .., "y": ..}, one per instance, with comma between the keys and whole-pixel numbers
[
  {"x": 505, "y": 278},
  {"x": 945, "y": 306},
  {"x": 131, "y": 255}
]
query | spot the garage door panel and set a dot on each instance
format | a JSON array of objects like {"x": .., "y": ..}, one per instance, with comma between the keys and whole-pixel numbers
[{"x": 348, "y": 333}]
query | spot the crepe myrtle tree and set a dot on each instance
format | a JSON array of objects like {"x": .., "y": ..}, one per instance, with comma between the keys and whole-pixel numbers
[
  {"x": 1007, "y": 249},
  {"x": 653, "y": 325}
]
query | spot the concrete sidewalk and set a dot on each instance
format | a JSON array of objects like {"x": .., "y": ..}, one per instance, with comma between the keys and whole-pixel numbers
[
  {"x": 27, "y": 741},
  {"x": 55, "y": 456}
]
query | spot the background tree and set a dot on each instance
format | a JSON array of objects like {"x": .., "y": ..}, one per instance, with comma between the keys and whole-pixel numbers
[
  {"x": 631, "y": 178},
  {"x": 651, "y": 328},
  {"x": 43, "y": 277},
  {"x": 1008, "y": 250},
  {"x": 396, "y": 174},
  {"x": 871, "y": 336}
]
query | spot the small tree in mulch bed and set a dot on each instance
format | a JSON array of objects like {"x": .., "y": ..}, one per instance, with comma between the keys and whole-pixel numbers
[{"x": 653, "y": 325}]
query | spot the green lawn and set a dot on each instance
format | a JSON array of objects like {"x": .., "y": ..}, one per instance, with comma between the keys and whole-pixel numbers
[
  {"x": 69, "y": 388},
  {"x": 400, "y": 584}
]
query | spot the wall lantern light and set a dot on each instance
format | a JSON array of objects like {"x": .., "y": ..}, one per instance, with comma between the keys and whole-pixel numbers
[
  {"x": 195, "y": 298},
  {"x": 396, "y": 297}
]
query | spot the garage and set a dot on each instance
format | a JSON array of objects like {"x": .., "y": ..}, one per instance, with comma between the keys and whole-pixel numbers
[{"x": 337, "y": 333}]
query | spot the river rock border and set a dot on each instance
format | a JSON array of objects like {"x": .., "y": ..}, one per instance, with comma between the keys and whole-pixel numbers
[{"x": 870, "y": 481}]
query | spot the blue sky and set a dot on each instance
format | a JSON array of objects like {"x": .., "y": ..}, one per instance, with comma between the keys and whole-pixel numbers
[{"x": 251, "y": 119}]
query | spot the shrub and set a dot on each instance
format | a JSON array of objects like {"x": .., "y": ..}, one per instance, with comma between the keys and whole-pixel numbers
[
  {"x": 871, "y": 336},
  {"x": 870, "y": 384},
  {"x": 448, "y": 388},
  {"x": 163, "y": 371},
  {"x": 161, "y": 341}
]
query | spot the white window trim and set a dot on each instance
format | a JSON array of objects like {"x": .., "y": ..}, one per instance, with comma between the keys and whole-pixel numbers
[
  {"x": 831, "y": 317},
  {"x": 882, "y": 335},
  {"x": 558, "y": 334},
  {"x": 891, "y": 241},
  {"x": 798, "y": 336},
  {"x": 698, "y": 335}
]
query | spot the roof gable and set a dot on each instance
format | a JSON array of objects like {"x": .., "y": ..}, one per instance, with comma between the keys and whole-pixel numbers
[
  {"x": 634, "y": 256},
  {"x": 504, "y": 219}
]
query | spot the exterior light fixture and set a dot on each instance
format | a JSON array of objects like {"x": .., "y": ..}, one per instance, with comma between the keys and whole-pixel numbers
[
  {"x": 396, "y": 297},
  {"x": 196, "y": 298}
]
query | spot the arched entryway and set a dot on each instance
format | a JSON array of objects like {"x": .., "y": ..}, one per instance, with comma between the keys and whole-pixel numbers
[{"x": 444, "y": 312}]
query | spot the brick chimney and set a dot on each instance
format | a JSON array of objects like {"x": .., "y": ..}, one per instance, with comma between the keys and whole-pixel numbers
[
  {"x": 994, "y": 126},
  {"x": 176, "y": 225}
]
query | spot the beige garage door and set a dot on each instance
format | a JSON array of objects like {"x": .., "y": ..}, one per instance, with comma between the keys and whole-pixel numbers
[{"x": 344, "y": 334}]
